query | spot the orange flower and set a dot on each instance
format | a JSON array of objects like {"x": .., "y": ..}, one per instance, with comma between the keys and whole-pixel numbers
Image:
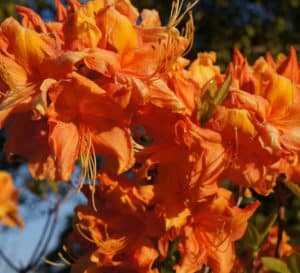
[
  {"x": 264, "y": 115},
  {"x": 21, "y": 56},
  {"x": 208, "y": 238},
  {"x": 36, "y": 151},
  {"x": 96, "y": 124},
  {"x": 203, "y": 68},
  {"x": 120, "y": 235},
  {"x": 8, "y": 201},
  {"x": 269, "y": 248},
  {"x": 186, "y": 160}
]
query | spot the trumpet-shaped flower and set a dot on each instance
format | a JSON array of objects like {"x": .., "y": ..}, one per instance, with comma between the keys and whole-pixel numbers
[{"x": 264, "y": 115}]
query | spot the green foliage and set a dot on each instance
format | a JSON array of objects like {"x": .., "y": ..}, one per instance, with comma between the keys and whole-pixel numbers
[
  {"x": 254, "y": 237},
  {"x": 275, "y": 265},
  {"x": 42, "y": 188},
  {"x": 251, "y": 238},
  {"x": 172, "y": 258},
  {"x": 292, "y": 265},
  {"x": 7, "y": 8},
  {"x": 294, "y": 188},
  {"x": 212, "y": 98}
]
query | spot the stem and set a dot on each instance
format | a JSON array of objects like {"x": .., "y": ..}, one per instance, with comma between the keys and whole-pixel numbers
[
  {"x": 281, "y": 197},
  {"x": 8, "y": 261},
  {"x": 45, "y": 238},
  {"x": 42, "y": 252},
  {"x": 41, "y": 239},
  {"x": 281, "y": 214}
]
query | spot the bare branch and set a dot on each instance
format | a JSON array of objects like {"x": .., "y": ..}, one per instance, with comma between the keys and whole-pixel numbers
[{"x": 8, "y": 261}]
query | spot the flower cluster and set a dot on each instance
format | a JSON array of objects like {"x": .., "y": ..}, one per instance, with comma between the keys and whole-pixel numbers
[{"x": 107, "y": 84}]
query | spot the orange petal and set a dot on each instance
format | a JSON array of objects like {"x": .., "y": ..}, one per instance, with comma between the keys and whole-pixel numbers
[
  {"x": 240, "y": 219},
  {"x": 64, "y": 145},
  {"x": 28, "y": 47},
  {"x": 113, "y": 25},
  {"x": 31, "y": 19},
  {"x": 235, "y": 118},
  {"x": 61, "y": 12},
  {"x": 279, "y": 91},
  {"x": 36, "y": 151},
  {"x": 115, "y": 142},
  {"x": 8, "y": 201},
  {"x": 290, "y": 68},
  {"x": 127, "y": 9},
  {"x": 203, "y": 69},
  {"x": 162, "y": 96},
  {"x": 80, "y": 30},
  {"x": 221, "y": 259}
]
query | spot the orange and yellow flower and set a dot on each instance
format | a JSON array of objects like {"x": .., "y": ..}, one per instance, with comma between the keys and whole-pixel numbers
[{"x": 8, "y": 201}]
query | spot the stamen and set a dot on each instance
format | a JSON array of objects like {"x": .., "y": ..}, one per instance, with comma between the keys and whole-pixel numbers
[
  {"x": 84, "y": 235},
  {"x": 60, "y": 255},
  {"x": 221, "y": 236},
  {"x": 137, "y": 147},
  {"x": 189, "y": 33},
  {"x": 176, "y": 17},
  {"x": 70, "y": 253},
  {"x": 236, "y": 143},
  {"x": 89, "y": 165},
  {"x": 234, "y": 163},
  {"x": 45, "y": 260},
  {"x": 167, "y": 49},
  {"x": 107, "y": 237}
]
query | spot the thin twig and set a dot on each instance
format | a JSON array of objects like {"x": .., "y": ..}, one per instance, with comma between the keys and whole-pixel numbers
[
  {"x": 281, "y": 197},
  {"x": 8, "y": 261},
  {"x": 43, "y": 251},
  {"x": 41, "y": 239},
  {"x": 281, "y": 214}
]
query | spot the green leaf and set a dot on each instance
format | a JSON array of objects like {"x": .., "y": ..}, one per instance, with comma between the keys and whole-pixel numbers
[
  {"x": 223, "y": 91},
  {"x": 217, "y": 98},
  {"x": 251, "y": 237},
  {"x": 254, "y": 237},
  {"x": 173, "y": 257},
  {"x": 173, "y": 248},
  {"x": 275, "y": 265},
  {"x": 293, "y": 263},
  {"x": 295, "y": 189},
  {"x": 206, "y": 99},
  {"x": 52, "y": 185},
  {"x": 269, "y": 222}
]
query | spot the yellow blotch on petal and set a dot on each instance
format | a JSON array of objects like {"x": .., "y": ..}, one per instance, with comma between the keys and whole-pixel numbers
[
  {"x": 237, "y": 118},
  {"x": 28, "y": 47},
  {"x": 219, "y": 205},
  {"x": 279, "y": 92},
  {"x": 93, "y": 7},
  {"x": 118, "y": 30},
  {"x": 179, "y": 220},
  {"x": 8, "y": 201},
  {"x": 203, "y": 68},
  {"x": 81, "y": 30}
]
